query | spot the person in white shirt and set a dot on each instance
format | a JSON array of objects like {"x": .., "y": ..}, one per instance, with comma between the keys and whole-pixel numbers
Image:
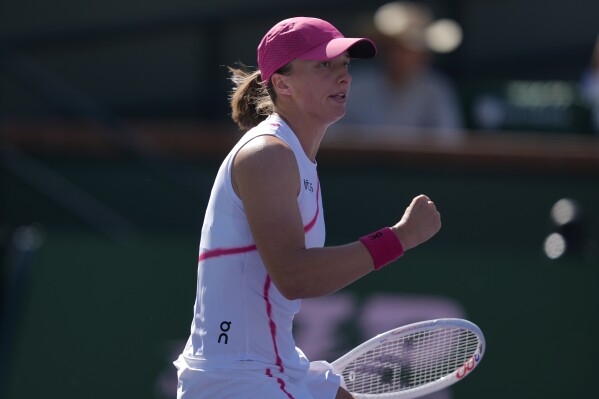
[
  {"x": 262, "y": 243},
  {"x": 405, "y": 91}
]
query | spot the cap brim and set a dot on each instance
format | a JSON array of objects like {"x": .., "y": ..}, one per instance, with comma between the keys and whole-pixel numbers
[{"x": 357, "y": 48}]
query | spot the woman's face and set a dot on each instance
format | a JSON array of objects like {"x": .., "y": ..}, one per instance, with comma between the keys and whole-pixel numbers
[{"x": 320, "y": 88}]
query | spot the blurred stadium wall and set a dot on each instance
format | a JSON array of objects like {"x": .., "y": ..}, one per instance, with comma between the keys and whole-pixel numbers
[{"x": 114, "y": 121}]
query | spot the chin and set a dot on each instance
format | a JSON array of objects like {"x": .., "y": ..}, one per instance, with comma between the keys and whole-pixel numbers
[
  {"x": 338, "y": 115},
  {"x": 332, "y": 115}
]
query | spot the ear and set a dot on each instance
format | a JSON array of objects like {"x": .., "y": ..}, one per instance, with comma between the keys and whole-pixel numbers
[{"x": 279, "y": 83}]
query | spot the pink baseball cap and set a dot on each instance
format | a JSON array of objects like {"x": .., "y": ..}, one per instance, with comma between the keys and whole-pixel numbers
[{"x": 307, "y": 39}]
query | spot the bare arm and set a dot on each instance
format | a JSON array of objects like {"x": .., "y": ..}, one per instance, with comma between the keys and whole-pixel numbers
[
  {"x": 266, "y": 177},
  {"x": 342, "y": 393}
]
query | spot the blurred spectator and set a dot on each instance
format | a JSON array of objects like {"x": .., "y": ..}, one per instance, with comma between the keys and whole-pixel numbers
[
  {"x": 590, "y": 86},
  {"x": 405, "y": 90}
]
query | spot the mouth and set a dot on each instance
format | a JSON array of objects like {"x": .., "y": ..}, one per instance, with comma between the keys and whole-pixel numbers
[{"x": 339, "y": 96}]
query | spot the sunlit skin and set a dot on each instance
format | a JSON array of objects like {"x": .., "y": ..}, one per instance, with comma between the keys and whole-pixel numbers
[
  {"x": 313, "y": 97},
  {"x": 265, "y": 175}
]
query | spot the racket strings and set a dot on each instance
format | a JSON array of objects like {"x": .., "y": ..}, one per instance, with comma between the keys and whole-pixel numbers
[{"x": 410, "y": 361}]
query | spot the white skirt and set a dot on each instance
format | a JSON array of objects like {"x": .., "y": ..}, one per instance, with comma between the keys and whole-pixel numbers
[{"x": 320, "y": 382}]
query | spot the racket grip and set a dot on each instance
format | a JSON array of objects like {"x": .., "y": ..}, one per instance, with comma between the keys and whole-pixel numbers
[{"x": 384, "y": 247}]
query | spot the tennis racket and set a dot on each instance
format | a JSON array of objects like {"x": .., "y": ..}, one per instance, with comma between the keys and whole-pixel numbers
[{"x": 413, "y": 360}]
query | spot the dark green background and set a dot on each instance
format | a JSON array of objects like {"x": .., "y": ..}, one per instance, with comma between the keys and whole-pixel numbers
[{"x": 101, "y": 318}]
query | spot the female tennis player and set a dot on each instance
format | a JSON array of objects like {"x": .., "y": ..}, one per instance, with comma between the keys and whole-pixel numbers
[{"x": 261, "y": 249}]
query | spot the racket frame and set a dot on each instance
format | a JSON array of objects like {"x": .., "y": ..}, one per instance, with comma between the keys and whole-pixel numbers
[{"x": 451, "y": 378}]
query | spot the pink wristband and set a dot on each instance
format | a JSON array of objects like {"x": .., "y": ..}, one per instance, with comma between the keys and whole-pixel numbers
[{"x": 384, "y": 247}]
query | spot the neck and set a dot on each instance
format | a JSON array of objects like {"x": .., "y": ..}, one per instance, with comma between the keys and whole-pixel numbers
[{"x": 309, "y": 134}]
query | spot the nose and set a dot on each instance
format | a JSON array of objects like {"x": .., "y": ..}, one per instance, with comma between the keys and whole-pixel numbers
[{"x": 345, "y": 76}]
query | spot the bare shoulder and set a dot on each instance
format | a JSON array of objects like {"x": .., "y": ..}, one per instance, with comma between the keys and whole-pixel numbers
[
  {"x": 265, "y": 158},
  {"x": 262, "y": 150}
]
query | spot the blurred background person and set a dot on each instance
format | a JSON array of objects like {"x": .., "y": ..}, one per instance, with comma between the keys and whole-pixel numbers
[{"x": 405, "y": 90}]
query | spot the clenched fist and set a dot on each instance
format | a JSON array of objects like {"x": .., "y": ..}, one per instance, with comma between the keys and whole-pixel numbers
[{"x": 420, "y": 222}]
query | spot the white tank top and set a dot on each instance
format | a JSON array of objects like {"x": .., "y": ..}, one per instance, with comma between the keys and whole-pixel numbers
[{"x": 241, "y": 319}]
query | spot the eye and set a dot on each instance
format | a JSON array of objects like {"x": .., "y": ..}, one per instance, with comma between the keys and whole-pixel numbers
[
  {"x": 346, "y": 64},
  {"x": 325, "y": 64}
]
